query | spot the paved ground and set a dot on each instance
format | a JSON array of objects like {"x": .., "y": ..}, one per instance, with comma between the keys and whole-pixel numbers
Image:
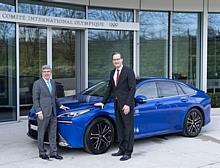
[{"x": 172, "y": 151}]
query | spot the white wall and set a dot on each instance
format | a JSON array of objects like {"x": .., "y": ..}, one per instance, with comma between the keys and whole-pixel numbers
[
  {"x": 214, "y": 6},
  {"x": 166, "y": 5}
]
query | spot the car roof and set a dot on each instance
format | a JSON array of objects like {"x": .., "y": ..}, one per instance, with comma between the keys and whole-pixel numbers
[
  {"x": 142, "y": 79},
  {"x": 154, "y": 78}
]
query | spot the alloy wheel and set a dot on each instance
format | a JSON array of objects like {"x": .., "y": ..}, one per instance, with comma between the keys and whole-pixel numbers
[
  {"x": 99, "y": 136},
  {"x": 193, "y": 123}
]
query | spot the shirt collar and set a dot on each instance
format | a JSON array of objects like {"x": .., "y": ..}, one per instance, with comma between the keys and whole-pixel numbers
[
  {"x": 119, "y": 68},
  {"x": 46, "y": 80}
]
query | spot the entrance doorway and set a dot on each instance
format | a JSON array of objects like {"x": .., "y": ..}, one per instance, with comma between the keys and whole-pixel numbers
[{"x": 39, "y": 46}]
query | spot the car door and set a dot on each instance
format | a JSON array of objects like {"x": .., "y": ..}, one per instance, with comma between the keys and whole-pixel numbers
[
  {"x": 145, "y": 112},
  {"x": 161, "y": 111},
  {"x": 169, "y": 106}
]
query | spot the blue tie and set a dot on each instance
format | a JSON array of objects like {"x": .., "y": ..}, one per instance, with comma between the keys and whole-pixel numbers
[{"x": 49, "y": 86}]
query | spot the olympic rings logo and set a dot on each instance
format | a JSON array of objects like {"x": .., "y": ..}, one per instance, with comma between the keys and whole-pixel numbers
[{"x": 113, "y": 24}]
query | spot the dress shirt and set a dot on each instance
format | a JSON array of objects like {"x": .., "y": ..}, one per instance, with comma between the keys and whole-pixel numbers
[{"x": 115, "y": 74}]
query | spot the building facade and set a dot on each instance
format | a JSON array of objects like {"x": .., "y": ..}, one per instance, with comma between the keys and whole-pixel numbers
[{"x": 163, "y": 38}]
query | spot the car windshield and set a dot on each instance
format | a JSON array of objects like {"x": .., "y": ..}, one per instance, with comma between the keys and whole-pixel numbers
[
  {"x": 99, "y": 88},
  {"x": 96, "y": 90}
]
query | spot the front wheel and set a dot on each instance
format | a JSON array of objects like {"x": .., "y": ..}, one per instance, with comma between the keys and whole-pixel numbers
[
  {"x": 193, "y": 123},
  {"x": 99, "y": 136}
]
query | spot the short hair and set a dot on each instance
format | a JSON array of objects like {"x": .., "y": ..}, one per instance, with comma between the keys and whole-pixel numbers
[
  {"x": 116, "y": 52},
  {"x": 46, "y": 67}
]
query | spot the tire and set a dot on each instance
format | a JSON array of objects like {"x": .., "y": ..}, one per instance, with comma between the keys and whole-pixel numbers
[
  {"x": 99, "y": 136},
  {"x": 193, "y": 123}
]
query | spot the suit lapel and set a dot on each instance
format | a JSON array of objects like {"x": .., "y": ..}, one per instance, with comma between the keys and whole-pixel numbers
[
  {"x": 45, "y": 86},
  {"x": 53, "y": 87},
  {"x": 112, "y": 77}
]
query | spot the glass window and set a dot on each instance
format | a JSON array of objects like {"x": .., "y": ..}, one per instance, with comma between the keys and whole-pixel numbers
[
  {"x": 167, "y": 89},
  {"x": 7, "y": 5},
  {"x": 148, "y": 90},
  {"x": 33, "y": 55},
  {"x": 186, "y": 47},
  {"x": 117, "y": 15},
  {"x": 153, "y": 43},
  {"x": 8, "y": 91},
  {"x": 102, "y": 43},
  {"x": 213, "y": 62},
  {"x": 63, "y": 45},
  {"x": 179, "y": 89},
  {"x": 187, "y": 89},
  {"x": 51, "y": 9}
]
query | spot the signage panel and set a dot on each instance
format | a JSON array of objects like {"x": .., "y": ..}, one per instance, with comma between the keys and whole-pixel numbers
[{"x": 66, "y": 22}]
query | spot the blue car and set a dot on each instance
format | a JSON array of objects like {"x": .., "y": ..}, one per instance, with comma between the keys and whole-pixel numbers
[{"x": 163, "y": 106}]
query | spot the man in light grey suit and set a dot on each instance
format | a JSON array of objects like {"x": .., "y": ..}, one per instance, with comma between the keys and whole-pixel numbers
[{"x": 44, "y": 101}]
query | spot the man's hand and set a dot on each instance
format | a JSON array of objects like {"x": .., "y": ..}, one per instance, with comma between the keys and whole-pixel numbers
[
  {"x": 40, "y": 115},
  {"x": 126, "y": 109},
  {"x": 99, "y": 104},
  {"x": 64, "y": 107}
]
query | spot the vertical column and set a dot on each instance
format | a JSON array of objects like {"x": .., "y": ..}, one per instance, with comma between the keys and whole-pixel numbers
[
  {"x": 85, "y": 48},
  {"x": 136, "y": 47},
  {"x": 82, "y": 58},
  {"x": 204, "y": 39},
  {"x": 86, "y": 57},
  {"x": 49, "y": 46},
  {"x": 198, "y": 51},
  {"x": 170, "y": 56},
  {"x": 17, "y": 67},
  {"x": 17, "y": 72}
]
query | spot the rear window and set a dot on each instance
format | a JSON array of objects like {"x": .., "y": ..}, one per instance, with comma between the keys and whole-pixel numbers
[
  {"x": 187, "y": 89},
  {"x": 167, "y": 89}
]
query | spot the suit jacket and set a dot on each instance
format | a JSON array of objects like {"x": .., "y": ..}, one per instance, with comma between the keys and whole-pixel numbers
[
  {"x": 43, "y": 100},
  {"x": 125, "y": 89}
]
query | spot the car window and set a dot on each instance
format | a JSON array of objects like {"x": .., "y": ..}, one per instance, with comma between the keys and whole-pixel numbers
[
  {"x": 98, "y": 89},
  {"x": 167, "y": 89},
  {"x": 147, "y": 89},
  {"x": 180, "y": 90},
  {"x": 187, "y": 89}
]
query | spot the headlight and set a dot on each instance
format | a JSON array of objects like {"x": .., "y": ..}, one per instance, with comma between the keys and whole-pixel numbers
[{"x": 74, "y": 113}]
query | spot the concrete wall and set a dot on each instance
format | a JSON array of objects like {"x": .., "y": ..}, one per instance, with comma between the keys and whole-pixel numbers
[
  {"x": 158, "y": 5},
  {"x": 214, "y": 6}
]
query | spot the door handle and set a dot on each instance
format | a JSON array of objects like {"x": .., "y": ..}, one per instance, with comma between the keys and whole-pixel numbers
[
  {"x": 158, "y": 103},
  {"x": 136, "y": 113},
  {"x": 184, "y": 99}
]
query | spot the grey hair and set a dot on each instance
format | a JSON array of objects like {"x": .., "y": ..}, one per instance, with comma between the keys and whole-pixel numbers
[{"x": 46, "y": 67}]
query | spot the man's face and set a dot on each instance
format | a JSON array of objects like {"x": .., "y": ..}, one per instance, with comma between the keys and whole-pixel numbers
[
  {"x": 117, "y": 60},
  {"x": 46, "y": 74}
]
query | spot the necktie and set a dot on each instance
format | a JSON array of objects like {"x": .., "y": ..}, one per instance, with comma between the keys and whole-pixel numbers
[
  {"x": 117, "y": 77},
  {"x": 49, "y": 86}
]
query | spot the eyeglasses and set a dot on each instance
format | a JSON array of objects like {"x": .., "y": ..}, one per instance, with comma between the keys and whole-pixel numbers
[{"x": 117, "y": 59}]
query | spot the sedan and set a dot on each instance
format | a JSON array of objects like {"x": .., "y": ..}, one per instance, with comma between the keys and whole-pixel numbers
[{"x": 163, "y": 106}]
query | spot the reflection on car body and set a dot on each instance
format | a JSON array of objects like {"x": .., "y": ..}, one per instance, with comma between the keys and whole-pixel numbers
[{"x": 162, "y": 106}]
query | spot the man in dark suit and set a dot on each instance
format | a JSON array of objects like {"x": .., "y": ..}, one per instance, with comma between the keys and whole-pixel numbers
[
  {"x": 122, "y": 87},
  {"x": 44, "y": 101}
]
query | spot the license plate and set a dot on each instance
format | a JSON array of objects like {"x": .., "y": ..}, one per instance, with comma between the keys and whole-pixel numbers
[{"x": 33, "y": 127}]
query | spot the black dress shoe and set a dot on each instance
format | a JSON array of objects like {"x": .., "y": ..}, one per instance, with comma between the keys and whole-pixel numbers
[
  {"x": 119, "y": 153},
  {"x": 44, "y": 156},
  {"x": 56, "y": 157},
  {"x": 125, "y": 157}
]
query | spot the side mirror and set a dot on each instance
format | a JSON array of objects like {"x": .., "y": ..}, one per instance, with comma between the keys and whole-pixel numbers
[{"x": 140, "y": 99}]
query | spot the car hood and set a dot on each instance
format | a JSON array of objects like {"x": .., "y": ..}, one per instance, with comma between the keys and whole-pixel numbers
[{"x": 78, "y": 102}]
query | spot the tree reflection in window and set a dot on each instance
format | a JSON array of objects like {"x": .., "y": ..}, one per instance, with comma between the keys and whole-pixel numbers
[{"x": 51, "y": 9}]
